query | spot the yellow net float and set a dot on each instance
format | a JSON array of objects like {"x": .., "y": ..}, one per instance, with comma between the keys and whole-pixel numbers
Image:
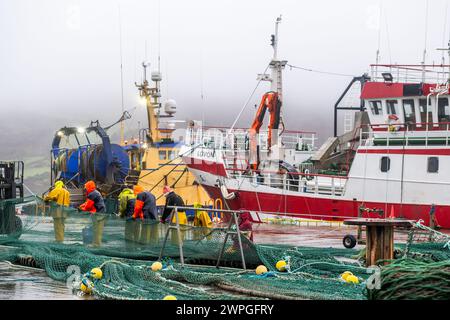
[
  {"x": 281, "y": 265},
  {"x": 96, "y": 273},
  {"x": 352, "y": 279},
  {"x": 345, "y": 275},
  {"x": 170, "y": 297},
  {"x": 86, "y": 286},
  {"x": 261, "y": 270},
  {"x": 156, "y": 266}
]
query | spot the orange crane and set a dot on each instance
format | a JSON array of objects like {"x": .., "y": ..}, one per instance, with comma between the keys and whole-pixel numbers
[{"x": 270, "y": 102}]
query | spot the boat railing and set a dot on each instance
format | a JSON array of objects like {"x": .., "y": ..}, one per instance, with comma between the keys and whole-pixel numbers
[
  {"x": 313, "y": 183},
  {"x": 422, "y": 133},
  {"x": 411, "y": 73},
  {"x": 239, "y": 139}
]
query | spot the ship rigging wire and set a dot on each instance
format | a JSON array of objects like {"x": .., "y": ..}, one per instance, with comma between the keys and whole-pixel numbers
[
  {"x": 248, "y": 100},
  {"x": 320, "y": 71}
]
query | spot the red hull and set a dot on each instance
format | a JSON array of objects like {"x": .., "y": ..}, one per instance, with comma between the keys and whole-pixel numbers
[{"x": 327, "y": 209}]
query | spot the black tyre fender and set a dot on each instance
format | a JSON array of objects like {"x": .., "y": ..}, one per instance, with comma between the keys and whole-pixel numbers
[{"x": 349, "y": 241}]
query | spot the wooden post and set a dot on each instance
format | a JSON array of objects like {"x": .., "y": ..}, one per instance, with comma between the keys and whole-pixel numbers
[
  {"x": 379, "y": 237},
  {"x": 379, "y": 244}
]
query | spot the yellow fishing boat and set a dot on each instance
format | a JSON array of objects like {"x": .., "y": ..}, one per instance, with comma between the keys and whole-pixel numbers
[{"x": 156, "y": 161}]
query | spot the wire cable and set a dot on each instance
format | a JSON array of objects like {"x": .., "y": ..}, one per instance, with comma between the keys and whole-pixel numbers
[
  {"x": 320, "y": 71},
  {"x": 248, "y": 100}
]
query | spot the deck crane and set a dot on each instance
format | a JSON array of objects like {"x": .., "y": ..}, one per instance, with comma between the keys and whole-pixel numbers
[{"x": 271, "y": 101}]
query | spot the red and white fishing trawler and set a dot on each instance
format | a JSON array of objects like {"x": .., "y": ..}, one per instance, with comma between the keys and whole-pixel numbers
[{"x": 395, "y": 159}]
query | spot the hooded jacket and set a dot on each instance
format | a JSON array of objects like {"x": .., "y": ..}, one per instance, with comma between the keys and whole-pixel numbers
[
  {"x": 172, "y": 199},
  {"x": 245, "y": 223},
  {"x": 59, "y": 194},
  {"x": 201, "y": 218},
  {"x": 145, "y": 206},
  {"x": 127, "y": 200},
  {"x": 94, "y": 200}
]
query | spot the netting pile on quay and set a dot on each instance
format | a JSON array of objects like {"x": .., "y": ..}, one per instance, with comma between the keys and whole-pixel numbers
[{"x": 125, "y": 257}]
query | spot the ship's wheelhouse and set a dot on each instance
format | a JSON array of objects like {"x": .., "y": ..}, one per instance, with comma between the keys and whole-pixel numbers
[{"x": 415, "y": 106}]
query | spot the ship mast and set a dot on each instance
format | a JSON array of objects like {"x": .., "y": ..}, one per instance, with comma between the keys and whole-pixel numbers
[
  {"x": 151, "y": 95},
  {"x": 276, "y": 66}
]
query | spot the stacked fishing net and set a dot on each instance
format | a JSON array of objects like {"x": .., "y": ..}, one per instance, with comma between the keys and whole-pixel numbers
[
  {"x": 422, "y": 272},
  {"x": 125, "y": 251},
  {"x": 412, "y": 279},
  {"x": 134, "y": 279}
]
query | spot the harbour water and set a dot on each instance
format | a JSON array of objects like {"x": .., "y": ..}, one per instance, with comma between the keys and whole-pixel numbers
[{"x": 22, "y": 283}]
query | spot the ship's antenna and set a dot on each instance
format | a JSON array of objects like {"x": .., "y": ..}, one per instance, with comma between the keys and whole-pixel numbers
[
  {"x": 377, "y": 58},
  {"x": 275, "y": 38},
  {"x": 444, "y": 32},
  {"x": 275, "y": 78},
  {"x": 425, "y": 44},
  {"x": 159, "y": 35},
  {"x": 387, "y": 36},
  {"x": 158, "y": 87},
  {"x": 448, "y": 51},
  {"x": 121, "y": 77},
  {"x": 276, "y": 65}
]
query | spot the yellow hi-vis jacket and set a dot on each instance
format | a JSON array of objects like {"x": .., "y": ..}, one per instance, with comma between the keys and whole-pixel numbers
[
  {"x": 59, "y": 195},
  {"x": 124, "y": 196},
  {"x": 182, "y": 219},
  {"x": 202, "y": 219}
]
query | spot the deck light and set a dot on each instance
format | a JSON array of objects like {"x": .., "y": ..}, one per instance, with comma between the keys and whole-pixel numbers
[
  {"x": 60, "y": 133},
  {"x": 81, "y": 130},
  {"x": 387, "y": 76}
]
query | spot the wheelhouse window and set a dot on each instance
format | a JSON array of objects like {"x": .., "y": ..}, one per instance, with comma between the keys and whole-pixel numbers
[
  {"x": 408, "y": 109},
  {"x": 443, "y": 110},
  {"x": 172, "y": 154},
  {"x": 423, "y": 111},
  {"x": 162, "y": 155},
  {"x": 375, "y": 107},
  {"x": 391, "y": 106},
  {"x": 385, "y": 164},
  {"x": 433, "y": 165}
]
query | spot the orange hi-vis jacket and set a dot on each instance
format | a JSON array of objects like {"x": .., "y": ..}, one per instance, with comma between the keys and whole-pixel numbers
[
  {"x": 89, "y": 204},
  {"x": 138, "y": 213}
]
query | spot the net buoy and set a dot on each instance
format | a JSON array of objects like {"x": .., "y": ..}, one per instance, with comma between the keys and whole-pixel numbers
[
  {"x": 170, "y": 297},
  {"x": 96, "y": 273},
  {"x": 261, "y": 269},
  {"x": 345, "y": 275},
  {"x": 86, "y": 286},
  {"x": 281, "y": 265},
  {"x": 352, "y": 279},
  {"x": 156, "y": 266}
]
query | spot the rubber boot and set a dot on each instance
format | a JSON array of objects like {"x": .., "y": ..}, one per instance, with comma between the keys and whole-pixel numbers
[
  {"x": 59, "y": 227},
  {"x": 98, "y": 221}
]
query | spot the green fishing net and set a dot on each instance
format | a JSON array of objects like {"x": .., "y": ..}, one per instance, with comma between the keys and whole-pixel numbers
[{"x": 67, "y": 244}]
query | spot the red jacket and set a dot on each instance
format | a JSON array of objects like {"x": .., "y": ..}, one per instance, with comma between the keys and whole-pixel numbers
[
  {"x": 245, "y": 223},
  {"x": 88, "y": 205}
]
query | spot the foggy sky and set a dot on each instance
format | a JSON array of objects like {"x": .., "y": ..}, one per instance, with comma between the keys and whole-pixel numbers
[{"x": 60, "y": 59}]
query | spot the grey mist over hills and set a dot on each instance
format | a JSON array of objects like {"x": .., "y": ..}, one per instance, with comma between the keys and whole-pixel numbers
[{"x": 60, "y": 60}]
